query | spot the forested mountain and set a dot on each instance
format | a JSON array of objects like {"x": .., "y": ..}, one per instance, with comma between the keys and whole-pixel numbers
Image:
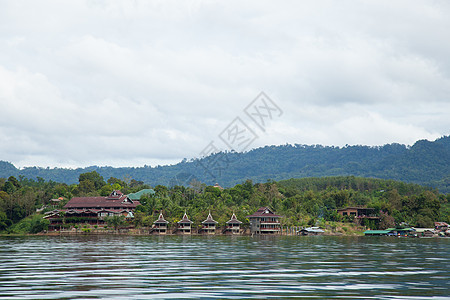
[{"x": 426, "y": 163}]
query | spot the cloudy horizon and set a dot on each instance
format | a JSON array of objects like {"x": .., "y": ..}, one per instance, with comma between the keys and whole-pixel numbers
[{"x": 134, "y": 83}]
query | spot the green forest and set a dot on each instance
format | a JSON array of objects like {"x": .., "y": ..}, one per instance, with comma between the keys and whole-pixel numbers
[
  {"x": 425, "y": 163},
  {"x": 301, "y": 202}
]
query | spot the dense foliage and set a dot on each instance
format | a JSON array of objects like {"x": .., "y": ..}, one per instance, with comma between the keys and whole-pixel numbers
[
  {"x": 426, "y": 163},
  {"x": 21, "y": 199},
  {"x": 305, "y": 201}
]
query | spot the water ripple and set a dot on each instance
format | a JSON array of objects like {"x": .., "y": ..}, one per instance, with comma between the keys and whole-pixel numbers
[{"x": 171, "y": 267}]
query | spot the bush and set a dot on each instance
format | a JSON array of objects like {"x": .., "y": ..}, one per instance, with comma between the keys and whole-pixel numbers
[
  {"x": 32, "y": 224},
  {"x": 38, "y": 224},
  {"x": 424, "y": 222}
]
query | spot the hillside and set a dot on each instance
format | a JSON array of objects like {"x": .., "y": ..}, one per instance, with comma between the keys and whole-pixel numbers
[{"x": 426, "y": 163}]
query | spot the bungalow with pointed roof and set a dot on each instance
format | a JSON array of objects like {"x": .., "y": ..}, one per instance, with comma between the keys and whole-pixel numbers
[
  {"x": 184, "y": 225},
  {"x": 209, "y": 225},
  {"x": 264, "y": 221},
  {"x": 233, "y": 226},
  {"x": 160, "y": 225}
]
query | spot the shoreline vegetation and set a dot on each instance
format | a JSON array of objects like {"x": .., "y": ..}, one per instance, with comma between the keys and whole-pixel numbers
[{"x": 305, "y": 202}]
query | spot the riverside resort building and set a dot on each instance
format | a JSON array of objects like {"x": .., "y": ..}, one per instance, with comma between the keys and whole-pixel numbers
[
  {"x": 93, "y": 211},
  {"x": 160, "y": 225},
  {"x": 264, "y": 221},
  {"x": 209, "y": 225},
  {"x": 233, "y": 226},
  {"x": 184, "y": 225}
]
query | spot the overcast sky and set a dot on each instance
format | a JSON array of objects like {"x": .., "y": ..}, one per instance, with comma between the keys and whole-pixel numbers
[{"x": 129, "y": 83}]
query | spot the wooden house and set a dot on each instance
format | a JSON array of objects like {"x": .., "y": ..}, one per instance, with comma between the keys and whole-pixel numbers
[
  {"x": 209, "y": 225},
  {"x": 184, "y": 225},
  {"x": 160, "y": 226},
  {"x": 358, "y": 214},
  {"x": 233, "y": 226},
  {"x": 441, "y": 226},
  {"x": 264, "y": 221},
  {"x": 56, "y": 203},
  {"x": 92, "y": 210},
  {"x": 424, "y": 232}
]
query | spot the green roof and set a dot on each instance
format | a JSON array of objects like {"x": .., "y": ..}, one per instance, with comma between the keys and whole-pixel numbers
[
  {"x": 376, "y": 232},
  {"x": 400, "y": 229},
  {"x": 138, "y": 195}
]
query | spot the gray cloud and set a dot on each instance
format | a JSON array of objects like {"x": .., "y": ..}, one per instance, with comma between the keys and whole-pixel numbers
[{"x": 151, "y": 82}]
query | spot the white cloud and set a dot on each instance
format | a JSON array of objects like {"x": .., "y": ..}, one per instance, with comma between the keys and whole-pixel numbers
[{"x": 152, "y": 82}]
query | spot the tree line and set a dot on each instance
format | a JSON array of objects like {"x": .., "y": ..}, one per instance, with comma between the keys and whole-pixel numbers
[{"x": 301, "y": 202}]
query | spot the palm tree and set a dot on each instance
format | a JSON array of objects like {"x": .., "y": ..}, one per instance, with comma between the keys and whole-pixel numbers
[{"x": 115, "y": 221}]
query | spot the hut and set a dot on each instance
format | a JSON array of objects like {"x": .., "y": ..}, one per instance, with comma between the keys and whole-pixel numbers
[
  {"x": 160, "y": 225},
  {"x": 442, "y": 226},
  {"x": 209, "y": 225},
  {"x": 233, "y": 226},
  {"x": 424, "y": 232},
  {"x": 184, "y": 225}
]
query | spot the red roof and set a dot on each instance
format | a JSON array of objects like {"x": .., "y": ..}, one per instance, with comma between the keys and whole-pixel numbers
[
  {"x": 94, "y": 211},
  {"x": 440, "y": 224},
  {"x": 185, "y": 219},
  {"x": 264, "y": 212},
  {"x": 233, "y": 220},
  {"x": 209, "y": 220},
  {"x": 116, "y": 200},
  {"x": 161, "y": 219}
]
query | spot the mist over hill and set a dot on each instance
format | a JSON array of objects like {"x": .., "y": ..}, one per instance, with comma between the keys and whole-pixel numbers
[{"x": 425, "y": 163}]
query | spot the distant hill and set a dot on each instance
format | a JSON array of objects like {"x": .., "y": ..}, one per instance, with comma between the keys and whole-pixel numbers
[{"x": 425, "y": 163}]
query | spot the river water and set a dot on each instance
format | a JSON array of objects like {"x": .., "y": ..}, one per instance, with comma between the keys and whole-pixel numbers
[{"x": 222, "y": 267}]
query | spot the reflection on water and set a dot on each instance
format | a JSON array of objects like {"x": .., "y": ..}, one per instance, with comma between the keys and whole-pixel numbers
[{"x": 173, "y": 267}]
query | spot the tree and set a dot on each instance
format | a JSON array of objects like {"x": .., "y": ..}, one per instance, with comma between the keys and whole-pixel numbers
[
  {"x": 38, "y": 224},
  {"x": 86, "y": 186},
  {"x": 161, "y": 191},
  {"x": 424, "y": 221},
  {"x": 341, "y": 198},
  {"x": 4, "y": 221},
  {"x": 115, "y": 221},
  {"x": 18, "y": 213},
  {"x": 113, "y": 180},
  {"x": 9, "y": 187},
  {"x": 14, "y": 181},
  {"x": 386, "y": 221},
  {"x": 135, "y": 183},
  {"x": 94, "y": 177},
  {"x": 394, "y": 198}
]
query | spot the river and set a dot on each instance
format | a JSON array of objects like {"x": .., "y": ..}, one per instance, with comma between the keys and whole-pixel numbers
[{"x": 223, "y": 267}]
